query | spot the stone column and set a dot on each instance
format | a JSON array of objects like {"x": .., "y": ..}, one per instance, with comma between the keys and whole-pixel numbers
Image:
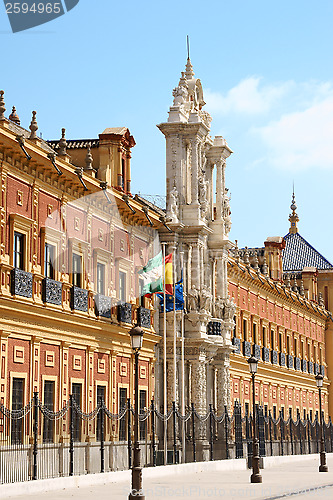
[
  {"x": 35, "y": 365},
  {"x": 222, "y": 363},
  {"x": 194, "y": 180},
  {"x": 4, "y": 393},
  {"x": 219, "y": 192},
  {"x": 199, "y": 385}
]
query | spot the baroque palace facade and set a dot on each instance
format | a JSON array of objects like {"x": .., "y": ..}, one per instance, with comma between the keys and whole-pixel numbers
[
  {"x": 272, "y": 302},
  {"x": 71, "y": 240}
]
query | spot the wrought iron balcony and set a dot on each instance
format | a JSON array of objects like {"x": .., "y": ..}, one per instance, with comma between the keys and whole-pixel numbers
[
  {"x": 304, "y": 365},
  {"x": 144, "y": 317},
  {"x": 103, "y": 306},
  {"x": 297, "y": 364},
  {"x": 282, "y": 359},
  {"x": 52, "y": 291},
  {"x": 237, "y": 343},
  {"x": 21, "y": 283},
  {"x": 265, "y": 354},
  {"x": 322, "y": 370},
  {"x": 214, "y": 328},
  {"x": 125, "y": 312},
  {"x": 247, "y": 348},
  {"x": 274, "y": 357},
  {"x": 79, "y": 299},
  {"x": 256, "y": 351},
  {"x": 310, "y": 367},
  {"x": 290, "y": 361},
  {"x": 316, "y": 368}
]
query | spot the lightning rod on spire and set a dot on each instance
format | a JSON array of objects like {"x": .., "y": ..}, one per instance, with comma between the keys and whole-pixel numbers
[{"x": 188, "y": 46}]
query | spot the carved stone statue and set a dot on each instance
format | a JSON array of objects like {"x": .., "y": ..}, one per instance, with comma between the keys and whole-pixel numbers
[
  {"x": 173, "y": 212},
  {"x": 219, "y": 307},
  {"x": 205, "y": 300},
  {"x": 203, "y": 195},
  {"x": 226, "y": 211},
  {"x": 193, "y": 299},
  {"x": 229, "y": 310}
]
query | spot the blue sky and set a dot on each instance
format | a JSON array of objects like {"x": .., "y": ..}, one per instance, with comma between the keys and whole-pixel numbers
[{"x": 267, "y": 76}]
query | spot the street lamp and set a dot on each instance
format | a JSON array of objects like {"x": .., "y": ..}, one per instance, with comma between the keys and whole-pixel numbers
[
  {"x": 255, "y": 476},
  {"x": 322, "y": 467},
  {"x": 136, "y": 334}
]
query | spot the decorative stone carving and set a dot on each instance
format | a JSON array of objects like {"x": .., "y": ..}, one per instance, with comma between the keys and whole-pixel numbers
[
  {"x": 226, "y": 211},
  {"x": 199, "y": 385},
  {"x": 229, "y": 310},
  {"x": 219, "y": 307},
  {"x": 173, "y": 212},
  {"x": 193, "y": 299},
  {"x": 205, "y": 300},
  {"x": 203, "y": 187}
]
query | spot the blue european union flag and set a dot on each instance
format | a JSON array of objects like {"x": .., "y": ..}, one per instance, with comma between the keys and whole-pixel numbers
[{"x": 169, "y": 298}]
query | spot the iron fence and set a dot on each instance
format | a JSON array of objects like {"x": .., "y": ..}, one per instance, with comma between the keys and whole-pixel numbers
[{"x": 38, "y": 443}]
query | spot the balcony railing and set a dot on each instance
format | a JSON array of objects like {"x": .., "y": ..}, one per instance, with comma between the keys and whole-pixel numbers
[
  {"x": 21, "y": 283},
  {"x": 297, "y": 364},
  {"x": 256, "y": 351},
  {"x": 79, "y": 299},
  {"x": 214, "y": 328},
  {"x": 290, "y": 361},
  {"x": 316, "y": 368},
  {"x": 144, "y": 317},
  {"x": 237, "y": 343},
  {"x": 310, "y": 367},
  {"x": 52, "y": 291},
  {"x": 103, "y": 306},
  {"x": 265, "y": 354},
  {"x": 125, "y": 313},
  {"x": 274, "y": 357},
  {"x": 247, "y": 348},
  {"x": 304, "y": 365},
  {"x": 282, "y": 359}
]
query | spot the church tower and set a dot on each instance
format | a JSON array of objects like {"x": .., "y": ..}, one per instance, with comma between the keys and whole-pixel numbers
[{"x": 198, "y": 213}]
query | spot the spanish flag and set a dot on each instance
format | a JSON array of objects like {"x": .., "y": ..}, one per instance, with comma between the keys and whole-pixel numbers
[{"x": 168, "y": 274}]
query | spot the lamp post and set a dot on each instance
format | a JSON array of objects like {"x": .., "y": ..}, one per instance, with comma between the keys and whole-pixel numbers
[
  {"x": 322, "y": 467},
  {"x": 255, "y": 476},
  {"x": 136, "y": 493}
]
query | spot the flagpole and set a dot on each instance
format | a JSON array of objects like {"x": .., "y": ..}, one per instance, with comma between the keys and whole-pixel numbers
[
  {"x": 174, "y": 326},
  {"x": 165, "y": 410},
  {"x": 183, "y": 358}
]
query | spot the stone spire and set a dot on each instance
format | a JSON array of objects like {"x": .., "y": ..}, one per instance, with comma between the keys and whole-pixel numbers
[
  {"x": 14, "y": 117},
  {"x": 89, "y": 160},
  {"x": 293, "y": 218},
  {"x": 2, "y": 106},
  {"x": 62, "y": 143},
  {"x": 33, "y": 126},
  {"x": 189, "y": 73}
]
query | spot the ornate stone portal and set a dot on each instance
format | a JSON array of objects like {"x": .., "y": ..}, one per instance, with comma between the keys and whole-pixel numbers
[{"x": 200, "y": 221}]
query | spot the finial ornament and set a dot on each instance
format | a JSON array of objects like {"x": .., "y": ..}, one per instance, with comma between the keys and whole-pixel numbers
[
  {"x": 89, "y": 160},
  {"x": 265, "y": 267},
  {"x": 62, "y": 143},
  {"x": 2, "y": 106},
  {"x": 33, "y": 126},
  {"x": 301, "y": 288},
  {"x": 236, "y": 251},
  {"x": 321, "y": 300},
  {"x": 287, "y": 281},
  {"x": 256, "y": 262},
  {"x": 246, "y": 257},
  {"x": 293, "y": 217},
  {"x": 189, "y": 70},
  {"x": 295, "y": 287},
  {"x": 14, "y": 117}
]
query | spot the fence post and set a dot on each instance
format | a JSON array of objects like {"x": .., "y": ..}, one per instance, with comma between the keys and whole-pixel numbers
[
  {"x": 309, "y": 434},
  {"x": 102, "y": 417},
  {"x": 129, "y": 433},
  {"x": 153, "y": 432},
  {"x": 300, "y": 432},
  {"x": 35, "y": 432},
  {"x": 270, "y": 431},
  {"x": 331, "y": 433},
  {"x": 291, "y": 431},
  {"x": 71, "y": 436},
  {"x": 211, "y": 452},
  {"x": 226, "y": 427},
  {"x": 193, "y": 434},
  {"x": 175, "y": 461},
  {"x": 281, "y": 431},
  {"x": 317, "y": 433}
]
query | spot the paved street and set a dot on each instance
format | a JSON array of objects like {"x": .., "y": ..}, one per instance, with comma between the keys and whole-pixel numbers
[{"x": 298, "y": 479}]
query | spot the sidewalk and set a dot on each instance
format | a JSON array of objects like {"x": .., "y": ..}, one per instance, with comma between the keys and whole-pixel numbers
[{"x": 282, "y": 477}]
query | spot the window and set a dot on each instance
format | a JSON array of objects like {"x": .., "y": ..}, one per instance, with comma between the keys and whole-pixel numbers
[
  {"x": 264, "y": 336},
  {"x": 77, "y": 392},
  {"x": 142, "y": 406},
  {"x": 254, "y": 327},
  {"x": 49, "y": 261},
  {"x": 281, "y": 343},
  {"x": 123, "y": 172},
  {"x": 18, "y": 260},
  {"x": 100, "y": 271},
  {"x": 244, "y": 329},
  {"x": 272, "y": 340},
  {"x": 288, "y": 344},
  {"x": 48, "y": 427},
  {"x": 17, "y": 404},
  {"x": 122, "y": 286},
  {"x": 295, "y": 347},
  {"x": 77, "y": 270},
  {"x": 274, "y": 412},
  {"x": 141, "y": 296},
  {"x": 100, "y": 399},
  {"x": 235, "y": 327},
  {"x": 122, "y": 405}
]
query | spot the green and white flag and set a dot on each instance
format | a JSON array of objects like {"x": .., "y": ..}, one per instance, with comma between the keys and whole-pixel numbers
[{"x": 152, "y": 275}]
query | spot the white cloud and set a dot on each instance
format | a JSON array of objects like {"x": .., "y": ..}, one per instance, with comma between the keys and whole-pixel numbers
[
  {"x": 301, "y": 139},
  {"x": 248, "y": 97}
]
